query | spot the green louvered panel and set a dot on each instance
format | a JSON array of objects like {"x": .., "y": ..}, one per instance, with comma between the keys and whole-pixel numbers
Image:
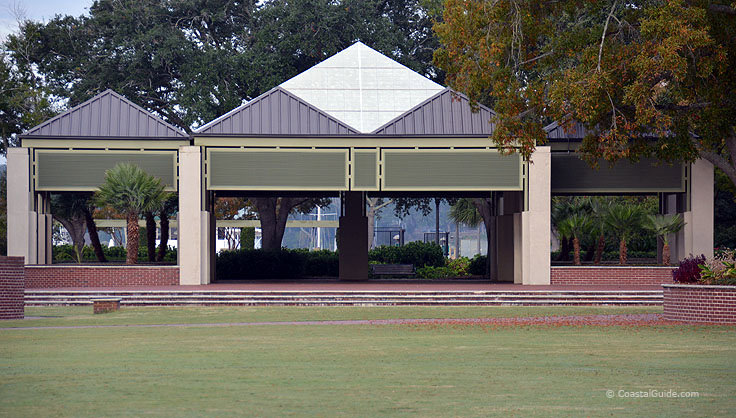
[
  {"x": 570, "y": 174},
  {"x": 365, "y": 167},
  {"x": 277, "y": 169},
  {"x": 450, "y": 170},
  {"x": 85, "y": 170}
]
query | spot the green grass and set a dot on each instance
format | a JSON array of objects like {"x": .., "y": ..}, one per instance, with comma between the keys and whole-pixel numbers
[
  {"x": 360, "y": 370},
  {"x": 82, "y": 315}
]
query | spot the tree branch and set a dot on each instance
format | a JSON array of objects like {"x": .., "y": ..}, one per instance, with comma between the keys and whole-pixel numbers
[{"x": 603, "y": 36}]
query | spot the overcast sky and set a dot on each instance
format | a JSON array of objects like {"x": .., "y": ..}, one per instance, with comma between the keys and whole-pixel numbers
[{"x": 37, "y": 10}]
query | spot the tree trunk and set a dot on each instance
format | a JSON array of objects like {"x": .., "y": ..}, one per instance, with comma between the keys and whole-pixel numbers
[
  {"x": 273, "y": 213},
  {"x": 564, "y": 249},
  {"x": 622, "y": 252},
  {"x": 487, "y": 211},
  {"x": 76, "y": 228},
  {"x": 131, "y": 244},
  {"x": 457, "y": 240},
  {"x": 164, "y": 244},
  {"x": 151, "y": 236},
  {"x": 600, "y": 249},
  {"x": 93, "y": 237},
  {"x": 576, "y": 251},
  {"x": 371, "y": 215},
  {"x": 666, "y": 254}
]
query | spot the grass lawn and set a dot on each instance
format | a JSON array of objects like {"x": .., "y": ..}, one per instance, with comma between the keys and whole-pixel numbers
[{"x": 426, "y": 370}]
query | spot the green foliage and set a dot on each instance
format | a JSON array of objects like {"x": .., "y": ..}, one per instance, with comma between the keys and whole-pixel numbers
[
  {"x": 477, "y": 265},
  {"x": 65, "y": 253},
  {"x": 247, "y": 238},
  {"x": 418, "y": 253},
  {"x": 460, "y": 266},
  {"x": 640, "y": 76},
  {"x": 130, "y": 190},
  {"x": 719, "y": 270},
  {"x": 624, "y": 220},
  {"x": 275, "y": 265},
  {"x": 465, "y": 212},
  {"x": 431, "y": 272},
  {"x": 663, "y": 225}
]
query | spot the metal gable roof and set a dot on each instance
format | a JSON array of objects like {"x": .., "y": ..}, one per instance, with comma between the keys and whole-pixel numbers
[
  {"x": 575, "y": 130},
  {"x": 276, "y": 112},
  {"x": 107, "y": 115},
  {"x": 445, "y": 113}
]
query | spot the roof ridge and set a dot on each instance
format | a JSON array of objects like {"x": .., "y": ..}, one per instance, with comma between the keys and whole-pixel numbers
[
  {"x": 106, "y": 92},
  {"x": 262, "y": 96}
]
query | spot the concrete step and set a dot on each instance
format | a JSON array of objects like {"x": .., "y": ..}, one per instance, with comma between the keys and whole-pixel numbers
[{"x": 346, "y": 298}]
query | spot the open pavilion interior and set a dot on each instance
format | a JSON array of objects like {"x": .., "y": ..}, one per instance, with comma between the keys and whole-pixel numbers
[{"x": 357, "y": 123}]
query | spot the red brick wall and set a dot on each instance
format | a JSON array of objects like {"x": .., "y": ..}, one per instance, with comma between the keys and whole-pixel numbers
[
  {"x": 693, "y": 303},
  {"x": 610, "y": 275},
  {"x": 99, "y": 276},
  {"x": 12, "y": 285}
]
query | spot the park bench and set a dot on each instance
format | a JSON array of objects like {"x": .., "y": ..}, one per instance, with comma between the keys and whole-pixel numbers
[{"x": 393, "y": 269}]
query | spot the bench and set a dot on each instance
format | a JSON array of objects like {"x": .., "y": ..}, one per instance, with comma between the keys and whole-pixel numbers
[
  {"x": 105, "y": 305},
  {"x": 393, "y": 269}
]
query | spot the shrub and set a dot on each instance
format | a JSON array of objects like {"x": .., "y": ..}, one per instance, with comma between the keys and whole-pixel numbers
[
  {"x": 719, "y": 270},
  {"x": 418, "y": 253},
  {"x": 477, "y": 266},
  {"x": 430, "y": 272},
  {"x": 459, "y": 266},
  {"x": 689, "y": 270},
  {"x": 275, "y": 265}
]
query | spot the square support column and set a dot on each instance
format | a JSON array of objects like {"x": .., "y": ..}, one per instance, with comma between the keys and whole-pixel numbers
[
  {"x": 21, "y": 236},
  {"x": 193, "y": 221},
  {"x": 536, "y": 223},
  {"x": 699, "y": 230},
  {"x": 353, "y": 238}
]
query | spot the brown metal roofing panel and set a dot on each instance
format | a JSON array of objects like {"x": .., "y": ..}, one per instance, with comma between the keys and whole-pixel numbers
[
  {"x": 106, "y": 115},
  {"x": 446, "y": 113},
  {"x": 276, "y": 112}
]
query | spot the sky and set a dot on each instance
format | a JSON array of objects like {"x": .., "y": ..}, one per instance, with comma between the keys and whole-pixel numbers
[{"x": 37, "y": 10}]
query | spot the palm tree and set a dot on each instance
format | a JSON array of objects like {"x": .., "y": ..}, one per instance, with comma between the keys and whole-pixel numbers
[
  {"x": 600, "y": 207},
  {"x": 623, "y": 221},
  {"x": 663, "y": 226},
  {"x": 131, "y": 191},
  {"x": 573, "y": 227}
]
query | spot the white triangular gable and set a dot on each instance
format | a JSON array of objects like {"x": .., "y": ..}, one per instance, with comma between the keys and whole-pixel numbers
[{"x": 362, "y": 87}]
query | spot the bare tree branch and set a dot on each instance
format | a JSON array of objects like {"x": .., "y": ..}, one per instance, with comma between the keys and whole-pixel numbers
[{"x": 603, "y": 36}]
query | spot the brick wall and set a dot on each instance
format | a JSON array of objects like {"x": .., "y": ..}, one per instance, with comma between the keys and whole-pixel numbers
[
  {"x": 694, "y": 303},
  {"x": 100, "y": 276},
  {"x": 610, "y": 275},
  {"x": 12, "y": 285}
]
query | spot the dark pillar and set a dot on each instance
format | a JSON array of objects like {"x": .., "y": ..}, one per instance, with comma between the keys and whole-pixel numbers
[{"x": 352, "y": 241}]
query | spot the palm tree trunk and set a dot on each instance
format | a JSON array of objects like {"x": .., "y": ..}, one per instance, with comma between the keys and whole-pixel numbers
[
  {"x": 131, "y": 244},
  {"x": 151, "y": 236},
  {"x": 576, "y": 251},
  {"x": 600, "y": 249},
  {"x": 666, "y": 254},
  {"x": 622, "y": 252},
  {"x": 93, "y": 237},
  {"x": 163, "y": 245}
]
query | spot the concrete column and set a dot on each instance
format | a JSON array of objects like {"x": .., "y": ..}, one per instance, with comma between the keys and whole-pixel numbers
[
  {"x": 701, "y": 206},
  {"x": 536, "y": 232},
  {"x": 505, "y": 248},
  {"x": 193, "y": 221},
  {"x": 353, "y": 238},
  {"x": 21, "y": 239},
  {"x": 44, "y": 222}
]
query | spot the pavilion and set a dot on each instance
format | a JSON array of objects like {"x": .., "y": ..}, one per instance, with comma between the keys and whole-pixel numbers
[{"x": 357, "y": 123}]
